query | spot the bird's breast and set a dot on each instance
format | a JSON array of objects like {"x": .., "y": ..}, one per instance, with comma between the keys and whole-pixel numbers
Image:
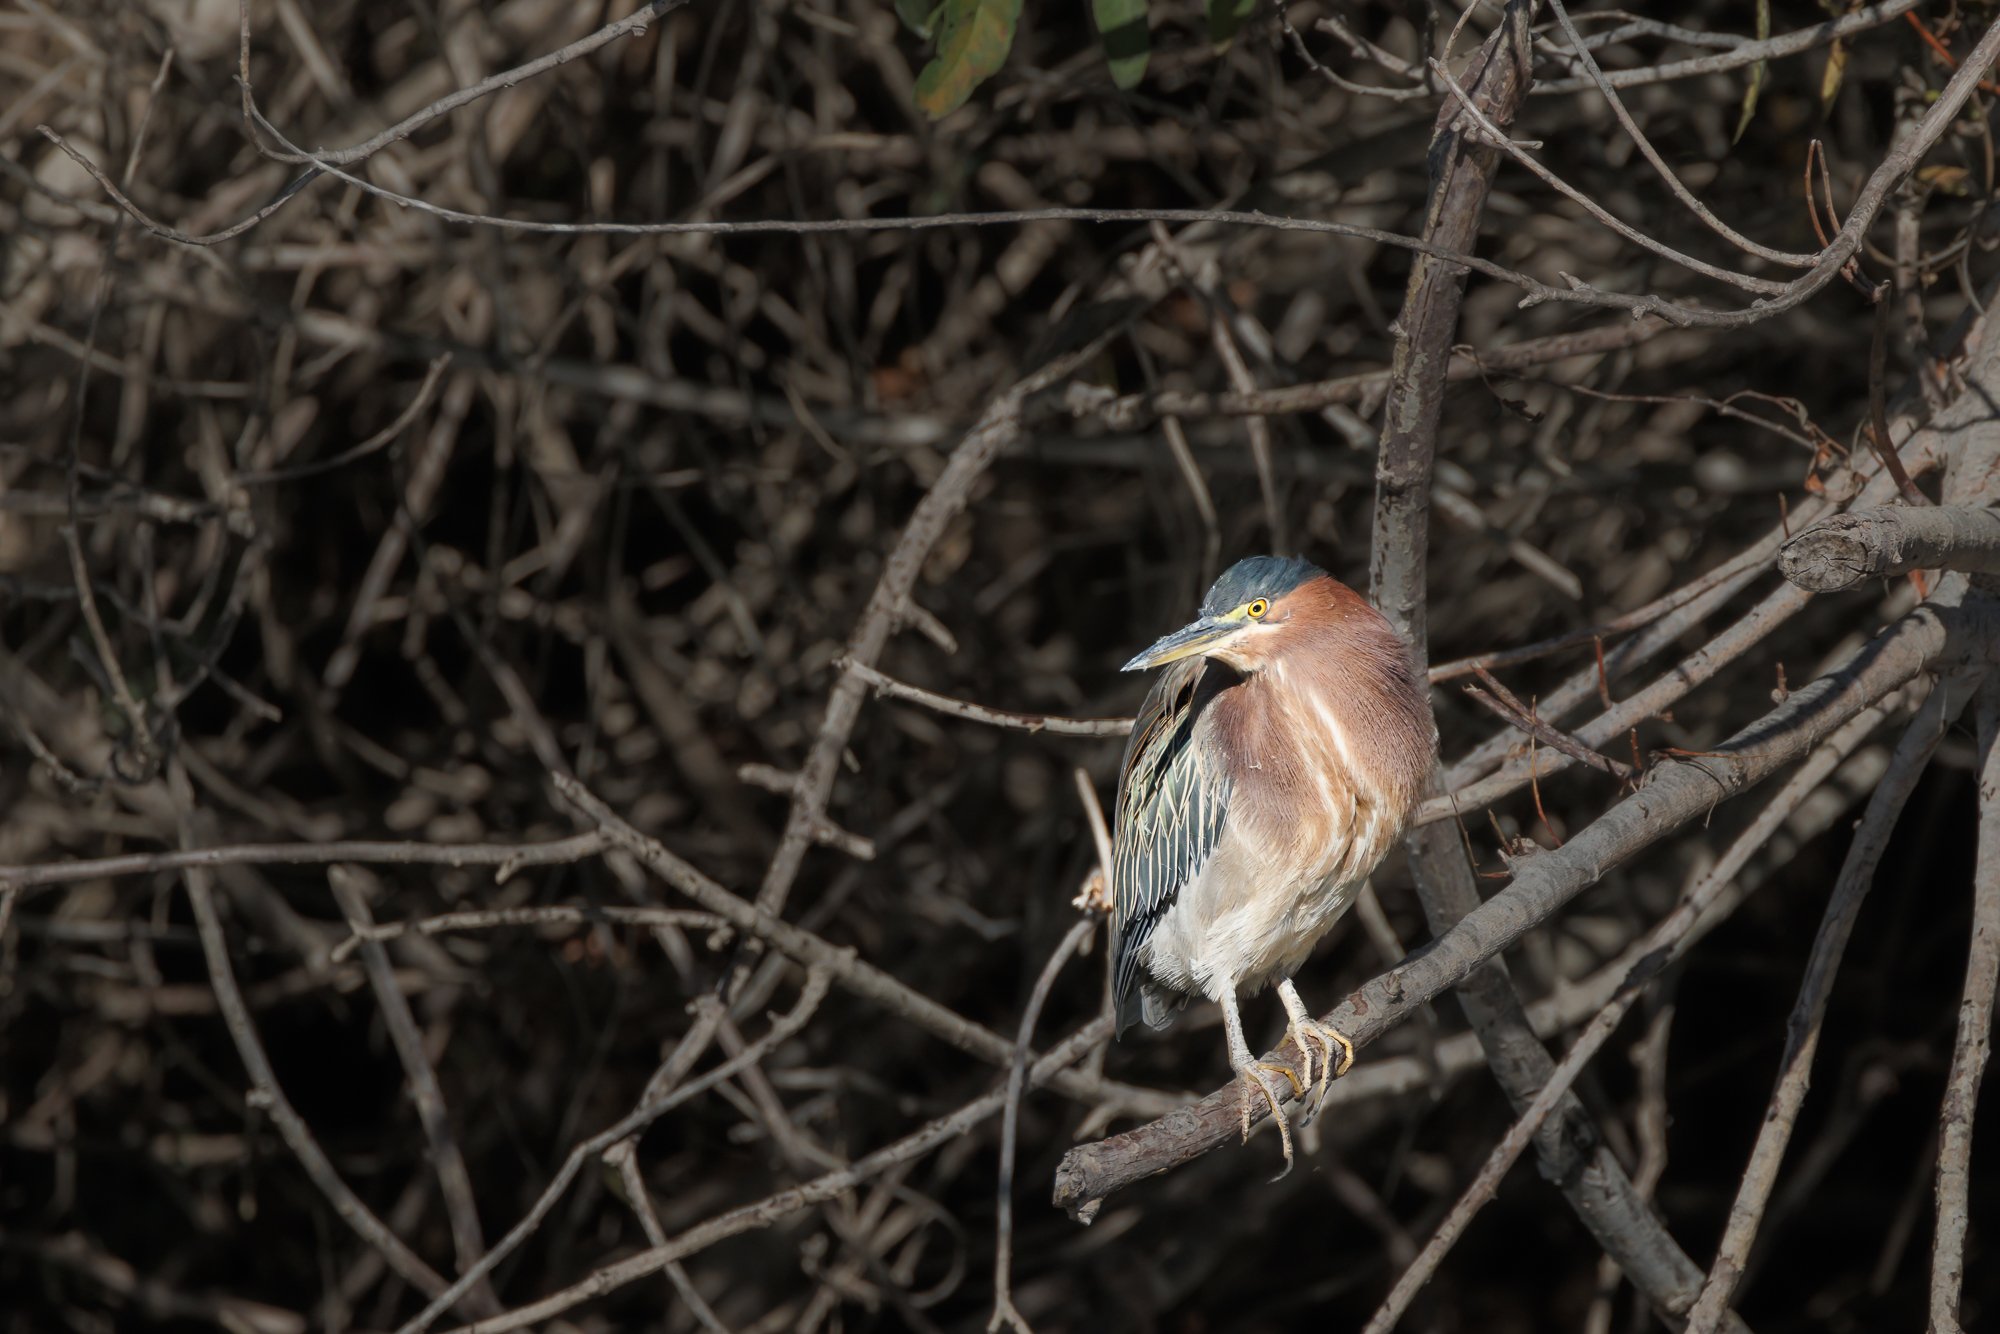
[{"x": 1305, "y": 800}]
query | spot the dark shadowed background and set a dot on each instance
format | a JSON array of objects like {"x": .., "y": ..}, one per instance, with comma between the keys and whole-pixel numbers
[{"x": 384, "y": 516}]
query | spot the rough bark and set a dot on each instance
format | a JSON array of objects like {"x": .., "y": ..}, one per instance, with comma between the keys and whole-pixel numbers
[{"x": 1878, "y": 543}]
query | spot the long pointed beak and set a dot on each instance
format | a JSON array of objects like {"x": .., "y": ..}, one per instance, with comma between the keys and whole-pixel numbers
[{"x": 1185, "y": 643}]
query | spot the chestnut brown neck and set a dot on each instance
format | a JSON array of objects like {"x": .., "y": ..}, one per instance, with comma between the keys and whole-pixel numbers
[{"x": 1337, "y": 688}]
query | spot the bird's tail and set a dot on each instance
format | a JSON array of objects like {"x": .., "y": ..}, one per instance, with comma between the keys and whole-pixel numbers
[
  {"x": 1152, "y": 1004},
  {"x": 1131, "y": 1009}
]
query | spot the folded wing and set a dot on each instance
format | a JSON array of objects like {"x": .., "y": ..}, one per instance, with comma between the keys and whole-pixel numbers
[{"x": 1172, "y": 800}]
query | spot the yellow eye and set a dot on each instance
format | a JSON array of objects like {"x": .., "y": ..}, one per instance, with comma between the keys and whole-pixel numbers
[{"x": 1257, "y": 608}]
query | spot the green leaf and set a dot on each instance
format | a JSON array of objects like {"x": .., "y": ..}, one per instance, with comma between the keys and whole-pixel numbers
[
  {"x": 1121, "y": 26},
  {"x": 973, "y": 38},
  {"x": 1224, "y": 18},
  {"x": 1836, "y": 67},
  {"x": 1756, "y": 74},
  {"x": 919, "y": 16}
]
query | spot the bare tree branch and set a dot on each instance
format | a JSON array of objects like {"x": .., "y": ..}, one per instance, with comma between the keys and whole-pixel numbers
[
  {"x": 1857, "y": 874},
  {"x": 1877, "y": 543},
  {"x": 856, "y": 975},
  {"x": 349, "y": 886},
  {"x": 1973, "y": 1046},
  {"x": 767, "y": 1211},
  {"x": 1664, "y": 945}
]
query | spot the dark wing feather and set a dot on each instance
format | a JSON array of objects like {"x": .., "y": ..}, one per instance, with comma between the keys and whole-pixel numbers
[{"x": 1172, "y": 800}]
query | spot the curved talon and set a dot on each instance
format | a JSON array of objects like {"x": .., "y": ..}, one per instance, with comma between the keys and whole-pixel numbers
[
  {"x": 1303, "y": 1042},
  {"x": 1346, "y": 1052},
  {"x": 1291, "y": 1075},
  {"x": 1336, "y": 1052},
  {"x": 1306, "y": 1031},
  {"x": 1253, "y": 1075}
]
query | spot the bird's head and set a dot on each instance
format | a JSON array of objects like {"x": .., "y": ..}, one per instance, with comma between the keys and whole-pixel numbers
[{"x": 1248, "y": 615}]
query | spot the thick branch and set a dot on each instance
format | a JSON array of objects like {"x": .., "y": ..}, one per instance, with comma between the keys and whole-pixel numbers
[
  {"x": 1877, "y": 543},
  {"x": 1975, "y": 1038},
  {"x": 1462, "y": 176},
  {"x": 1568, "y": 1144}
]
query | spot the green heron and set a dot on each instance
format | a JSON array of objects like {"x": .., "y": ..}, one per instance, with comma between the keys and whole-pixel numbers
[{"x": 1273, "y": 765}]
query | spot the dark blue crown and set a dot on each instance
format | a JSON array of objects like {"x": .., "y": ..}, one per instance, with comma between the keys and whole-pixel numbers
[{"x": 1257, "y": 577}]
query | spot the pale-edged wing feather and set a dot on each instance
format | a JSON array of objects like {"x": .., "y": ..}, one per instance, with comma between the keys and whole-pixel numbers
[{"x": 1172, "y": 800}]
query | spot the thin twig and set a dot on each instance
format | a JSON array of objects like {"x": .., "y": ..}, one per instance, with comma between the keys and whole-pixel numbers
[
  {"x": 853, "y": 974},
  {"x": 632, "y": 25},
  {"x": 1743, "y": 564},
  {"x": 139, "y": 736},
  {"x": 997, "y": 425},
  {"x": 1878, "y": 414},
  {"x": 625, "y": 1158},
  {"x": 1467, "y": 363},
  {"x": 486, "y": 919},
  {"x": 783, "y": 1027},
  {"x": 350, "y": 891},
  {"x": 1863, "y": 484},
  {"x": 1751, "y": 629},
  {"x": 410, "y": 412},
  {"x": 270, "y": 1097},
  {"x": 884, "y": 684},
  {"x": 1744, "y": 53},
  {"x": 509, "y": 857},
  {"x": 1017, "y": 1076},
  {"x": 1504, "y": 703},
  {"x": 1639, "y": 140},
  {"x": 1596, "y": 210},
  {"x": 769, "y": 1210}
]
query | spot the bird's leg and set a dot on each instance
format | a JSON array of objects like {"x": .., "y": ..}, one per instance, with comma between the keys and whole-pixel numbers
[
  {"x": 1252, "y": 1072},
  {"x": 1305, "y": 1031}
]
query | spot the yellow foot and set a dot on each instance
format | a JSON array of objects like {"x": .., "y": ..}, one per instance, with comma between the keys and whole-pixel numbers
[
  {"x": 1254, "y": 1077},
  {"x": 1336, "y": 1053}
]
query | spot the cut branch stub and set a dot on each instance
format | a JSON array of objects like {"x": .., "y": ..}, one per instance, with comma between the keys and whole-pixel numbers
[{"x": 1877, "y": 543}]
